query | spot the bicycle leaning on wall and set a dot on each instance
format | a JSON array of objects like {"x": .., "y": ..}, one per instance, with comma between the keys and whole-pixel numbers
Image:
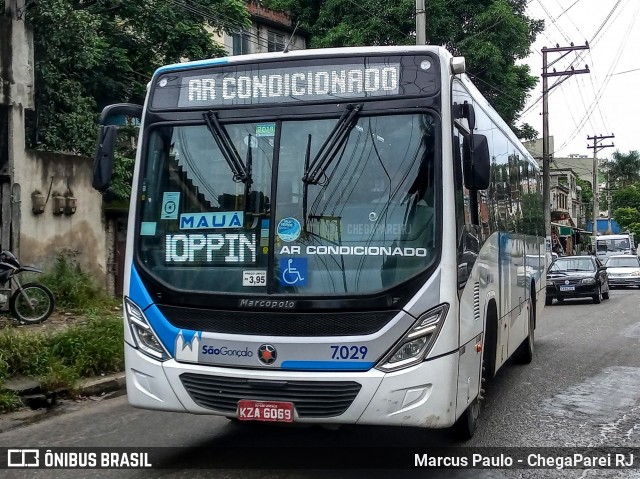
[{"x": 29, "y": 303}]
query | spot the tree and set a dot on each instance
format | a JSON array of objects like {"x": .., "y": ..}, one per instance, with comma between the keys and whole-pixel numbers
[
  {"x": 626, "y": 216},
  {"x": 628, "y": 197},
  {"x": 624, "y": 169},
  {"x": 89, "y": 53},
  {"x": 629, "y": 220},
  {"x": 491, "y": 34},
  {"x": 587, "y": 196}
]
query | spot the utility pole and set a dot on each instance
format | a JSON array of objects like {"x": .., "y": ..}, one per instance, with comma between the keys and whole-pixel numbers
[
  {"x": 546, "y": 177},
  {"x": 421, "y": 22},
  {"x": 596, "y": 147}
]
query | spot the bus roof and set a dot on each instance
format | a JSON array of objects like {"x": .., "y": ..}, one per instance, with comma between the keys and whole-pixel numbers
[{"x": 308, "y": 53}]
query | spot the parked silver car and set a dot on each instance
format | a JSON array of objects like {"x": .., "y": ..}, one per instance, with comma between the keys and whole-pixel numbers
[{"x": 623, "y": 270}]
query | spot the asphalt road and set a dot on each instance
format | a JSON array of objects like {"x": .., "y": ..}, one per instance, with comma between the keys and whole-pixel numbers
[{"x": 582, "y": 389}]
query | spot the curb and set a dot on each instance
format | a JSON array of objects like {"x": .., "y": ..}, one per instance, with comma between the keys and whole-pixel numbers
[
  {"x": 96, "y": 386},
  {"x": 101, "y": 385}
]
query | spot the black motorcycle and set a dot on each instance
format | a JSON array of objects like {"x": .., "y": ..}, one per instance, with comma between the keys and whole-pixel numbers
[{"x": 29, "y": 303}]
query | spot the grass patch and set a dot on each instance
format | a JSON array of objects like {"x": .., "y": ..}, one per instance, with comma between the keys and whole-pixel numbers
[
  {"x": 8, "y": 401},
  {"x": 73, "y": 289},
  {"x": 59, "y": 359}
]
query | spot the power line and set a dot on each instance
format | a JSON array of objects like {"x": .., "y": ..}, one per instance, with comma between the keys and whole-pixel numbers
[
  {"x": 553, "y": 20},
  {"x": 579, "y": 57},
  {"x": 627, "y": 71},
  {"x": 602, "y": 88},
  {"x": 566, "y": 9}
]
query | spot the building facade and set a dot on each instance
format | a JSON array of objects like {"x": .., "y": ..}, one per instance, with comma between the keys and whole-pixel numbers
[{"x": 270, "y": 31}]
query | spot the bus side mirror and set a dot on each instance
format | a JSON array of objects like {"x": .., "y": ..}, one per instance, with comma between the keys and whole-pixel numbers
[
  {"x": 103, "y": 162},
  {"x": 476, "y": 161}
]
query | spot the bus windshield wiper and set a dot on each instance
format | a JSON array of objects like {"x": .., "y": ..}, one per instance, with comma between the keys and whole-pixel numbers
[
  {"x": 332, "y": 145},
  {"x": 228, "y": 150}
]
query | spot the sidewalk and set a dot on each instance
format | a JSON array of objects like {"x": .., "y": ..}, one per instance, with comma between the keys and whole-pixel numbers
[{"x": 38, "y": 404}]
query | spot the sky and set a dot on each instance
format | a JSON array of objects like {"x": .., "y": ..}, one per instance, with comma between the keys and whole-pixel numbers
[{"x": 603, "y": 102}]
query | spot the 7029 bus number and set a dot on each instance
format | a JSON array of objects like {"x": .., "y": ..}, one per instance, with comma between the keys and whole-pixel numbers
[{"x": 348, "y": 352}]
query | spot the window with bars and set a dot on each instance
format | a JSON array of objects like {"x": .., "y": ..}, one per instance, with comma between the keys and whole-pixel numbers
[
  {"x": 241, "y": 43},
  {"x": 275, "y": 41}
]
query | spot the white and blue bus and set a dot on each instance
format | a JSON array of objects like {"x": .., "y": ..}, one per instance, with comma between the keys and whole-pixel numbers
[{"x": 331, "y": 236}]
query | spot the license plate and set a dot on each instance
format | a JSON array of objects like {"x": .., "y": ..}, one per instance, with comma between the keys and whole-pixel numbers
[
  {"x": 567, "y": 288},
  {"x": 269, "y": 411}
]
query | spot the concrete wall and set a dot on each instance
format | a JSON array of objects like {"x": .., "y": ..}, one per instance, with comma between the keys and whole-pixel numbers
[
  {"x": 43, "y": 236},
  {"x": 16, "y": 59}
]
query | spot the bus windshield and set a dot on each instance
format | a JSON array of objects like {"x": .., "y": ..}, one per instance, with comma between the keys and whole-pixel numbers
[{"x": 366, "y": 223}]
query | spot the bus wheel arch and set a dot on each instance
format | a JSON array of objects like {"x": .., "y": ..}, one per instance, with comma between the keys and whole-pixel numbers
[
  {"x": 534, "y": 304},
  {"x": 466, "y": 425},
  {"x": 490, "y": 340},
  {"x": 524, "y": 353}
]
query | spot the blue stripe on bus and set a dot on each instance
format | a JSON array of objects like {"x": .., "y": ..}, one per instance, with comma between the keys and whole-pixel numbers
[
  {"x": 201, "y": 63},
  {"x": 165, "y": 331},
  {"x": 137, "y": 292},
  {"x": 327, "y": 365}
]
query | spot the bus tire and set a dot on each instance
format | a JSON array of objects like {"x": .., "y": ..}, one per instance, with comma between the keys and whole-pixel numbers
[
  {"x": 524, "y": 353},
  {"x": 466, "y": 425},
  {"x": 490, "y": 342}
]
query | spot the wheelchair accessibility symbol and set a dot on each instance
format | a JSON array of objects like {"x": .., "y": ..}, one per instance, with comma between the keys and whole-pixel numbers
[{"x": 293, "y": 271}]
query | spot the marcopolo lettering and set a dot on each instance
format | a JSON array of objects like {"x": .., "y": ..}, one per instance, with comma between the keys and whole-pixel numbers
[
  {"x": 266, "y": 304},
  {"x": 224, "y": 351}
]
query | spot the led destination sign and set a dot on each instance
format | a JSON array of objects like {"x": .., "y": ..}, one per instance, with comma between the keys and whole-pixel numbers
[
  {"x": 196, "y": 249},
  {"x": 344, "y": 81},
  {"x": 296, "y": 81}
]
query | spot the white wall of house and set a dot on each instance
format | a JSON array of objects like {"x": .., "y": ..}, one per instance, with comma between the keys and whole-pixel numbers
[{"x": 81, "y": 234}]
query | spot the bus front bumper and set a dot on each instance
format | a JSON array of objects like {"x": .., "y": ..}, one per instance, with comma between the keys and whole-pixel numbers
[{"x": 423, "y": 395}]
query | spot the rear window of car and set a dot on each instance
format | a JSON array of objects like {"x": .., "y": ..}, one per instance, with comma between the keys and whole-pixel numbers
[{"x": 628, "y": 262}]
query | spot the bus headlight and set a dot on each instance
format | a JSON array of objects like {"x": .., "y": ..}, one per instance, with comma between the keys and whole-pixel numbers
[
  {"x": 143, "y": 335},
  {"x": 418, "y": 341}
]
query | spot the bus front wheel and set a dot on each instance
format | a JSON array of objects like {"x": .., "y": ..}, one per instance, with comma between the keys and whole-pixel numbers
[{"x": 466, "y": 425}]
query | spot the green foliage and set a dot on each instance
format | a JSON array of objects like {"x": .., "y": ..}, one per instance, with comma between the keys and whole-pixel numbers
[
  {"x": 122, "y": 177},
  {"x": 587, "y": 196},
  {"x": 624, "y": 169},
  {"x": 87, "y": 350},
  {"x": 73, "y": 289},
  {"x": 59, "y": 359},
  {"x": 627, "y": 197},
  {"x": 626, "y": 216},
  {"x": 635, "y": 229},
  {"x": 491, "y": 34},
  {"x": 532, "y": 214},
  {"x": 9, "y": 401},
  {"x": 93, "y": 53}
]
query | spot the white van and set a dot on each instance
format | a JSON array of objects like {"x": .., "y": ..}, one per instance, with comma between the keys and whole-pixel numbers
[{"x": 608, "y": 245}]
